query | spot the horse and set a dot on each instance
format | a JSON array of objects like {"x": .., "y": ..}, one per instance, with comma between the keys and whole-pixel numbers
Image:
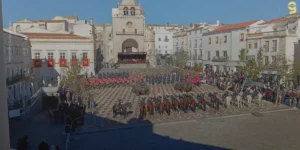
[
  {"x": 167, "y": 105},
  {"x": 143, "y": 108},
  {"x": 226, "y": 99},
  {"x": 248, "y": 98},
  {"x": 238, "y": 99},
  {"x": 159, "y": 105},
  {"x": 121, "y": 109},
  {"x": 192, "y": 103},
  {"x": 184, "y": 103},
  {"x": 150, "y": 107},
  {"x": 175, "y": 104},
  {"x": 214, "y": 100},
  {"x": 202, "y": 101}
]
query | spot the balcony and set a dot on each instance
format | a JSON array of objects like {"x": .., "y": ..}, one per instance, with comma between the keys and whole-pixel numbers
[
  {"x": 13, "y": 80},
  {"x": 220, "y": 59},
  {"x": 140, "y": 33},
  {"x": 253, "y": 35}
]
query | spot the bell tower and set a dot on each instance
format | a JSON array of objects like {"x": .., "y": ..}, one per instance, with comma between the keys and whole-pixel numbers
[{"x": 128, "y": 2}]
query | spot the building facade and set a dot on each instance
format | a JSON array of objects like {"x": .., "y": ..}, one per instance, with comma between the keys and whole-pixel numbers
[
  {"x": 129, "y": 39},
  {"x": 180, "y": 41},
  {"x": 164, "y": 37},
  {"x": 276, "y": 38},
  {"x": 18, "y": 66},
  {"x": 63, "y": 25},
  {"x": 52, "y": 54},
  {"x": 194, "y": 35},
  {"x": 222, "y": 46}
]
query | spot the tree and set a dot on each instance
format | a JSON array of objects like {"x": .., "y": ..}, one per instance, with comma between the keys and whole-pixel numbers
[
  {"x": 197, "y": 68},
  {"x": 242, "y": 63},
  {"x": 72, "y": 77},
  {"x": 181, "y": 58}
]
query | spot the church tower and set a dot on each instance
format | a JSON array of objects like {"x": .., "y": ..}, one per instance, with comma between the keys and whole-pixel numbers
[{"x": 129, "y": 31}]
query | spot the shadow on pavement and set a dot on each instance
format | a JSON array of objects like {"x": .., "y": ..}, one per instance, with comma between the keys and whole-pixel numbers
[{"x": 137, "y": 134}]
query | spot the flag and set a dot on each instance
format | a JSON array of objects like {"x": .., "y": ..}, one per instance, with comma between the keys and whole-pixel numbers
[{"x": 153, "y": 92}]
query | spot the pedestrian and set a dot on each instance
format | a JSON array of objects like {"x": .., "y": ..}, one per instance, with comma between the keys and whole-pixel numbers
[{"x": 49, "y": 117}]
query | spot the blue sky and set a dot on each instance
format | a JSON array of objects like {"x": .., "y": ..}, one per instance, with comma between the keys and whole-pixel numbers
[{"x": 157, "y": 11}]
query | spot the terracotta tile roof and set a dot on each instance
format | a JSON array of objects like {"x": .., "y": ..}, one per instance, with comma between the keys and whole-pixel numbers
[
  {"x": 275, "y": 20},
  {"x": 54, "y": 36},
  {"x": 50, "y": 21},
  {"x": 234, "y": 26}
]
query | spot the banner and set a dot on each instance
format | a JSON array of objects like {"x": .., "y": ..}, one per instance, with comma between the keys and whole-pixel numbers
[
  {"x": 37, "y": 63},
  {"x": 85, "y": 62},
  {"x": 74, "y": 62},
  {"x": 51, "y": 63},
  {"x": 63, "y": 63}
]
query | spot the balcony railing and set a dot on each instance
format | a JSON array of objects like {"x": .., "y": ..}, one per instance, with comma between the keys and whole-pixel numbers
[
  {"x": 141, "y": 33},
  {"x": 14, "y": 79},
  {"x": 220, "y": 59},
  {"x": 276, "y": 33}
]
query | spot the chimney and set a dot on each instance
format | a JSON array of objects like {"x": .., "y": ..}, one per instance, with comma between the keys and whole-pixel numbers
[{"x": 91, "y": 20}]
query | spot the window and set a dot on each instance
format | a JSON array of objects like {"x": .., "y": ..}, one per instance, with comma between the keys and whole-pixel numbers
[
  {"x": 273, "y": 59},
  {"x": 190, "y": 43},
  {"x": 123, "y": 30},
  {"x": 267, "y": 44},
  {"x": 132, "y": 11},
  {"x": 225, "y": 39},
  {"x": 217, "y": 40},
  {"x": 135, "y": 31},
  {"x": 74, "y": 56},
  {"x": 209, "y": 40},
  {"x": 242, "y": 37},
  {"x": 126, "y": 11},
  {"x": 250, "y": 45},
  {"x": 37, "y": 56},
  {"x": 255, "y": 45},
  {"x": 50, "y": 55},
  {"x": 208, "y": 56},
  {"x": 159, "y": 39},
  {"x": 266, "y": 60},
  {"x": 166, "y": 46},
  {"x": 85, "y": 55},
  {"x": 225, "y": 53},
  {"x": 217, "y": 54},
  {"x": 274, "y": 45},
  {"x": 200, "y": 42},
  {"x": 62, "y": 56},
  {"x": 158, "y": 46},
  {"x": 200, "y": 52},
  {"x": 195, "y": 44}
]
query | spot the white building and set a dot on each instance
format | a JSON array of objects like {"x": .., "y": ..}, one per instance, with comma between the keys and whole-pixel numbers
[
  {"x": 63, "y": 25},
  {"x": 194, "y": 35},
  {"x": 53, "y": 52},
  {"x": 276, "y": 38},
  {"x": 180, "y": 41},
  {"x": 221, "y": 47},
  {"x": 164, "y": 37},
  {"x": 18, "y": 66}
]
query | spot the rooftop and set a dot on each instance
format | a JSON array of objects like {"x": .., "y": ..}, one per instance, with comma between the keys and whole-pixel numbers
[
  {"x": 234, "y": 26},
  {"x": 54, "y": 36}
]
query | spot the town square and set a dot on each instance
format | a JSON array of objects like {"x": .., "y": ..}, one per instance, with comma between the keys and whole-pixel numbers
[{"x": 108, "y": 76}]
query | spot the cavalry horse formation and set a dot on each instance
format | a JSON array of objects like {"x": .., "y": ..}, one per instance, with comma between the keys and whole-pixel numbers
[{"x": 231, "y": 94}]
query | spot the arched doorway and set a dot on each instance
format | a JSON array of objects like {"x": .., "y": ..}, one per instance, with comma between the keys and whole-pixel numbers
[{"x": 128, "y": 45}]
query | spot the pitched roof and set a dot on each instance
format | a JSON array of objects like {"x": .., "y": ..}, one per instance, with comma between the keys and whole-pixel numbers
[
  {"x": 274, "y": 20},
  {"x": 54, "y": 36},
  {"x": 234, "y": 26},
  {"x": 52, "y": 21}
]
